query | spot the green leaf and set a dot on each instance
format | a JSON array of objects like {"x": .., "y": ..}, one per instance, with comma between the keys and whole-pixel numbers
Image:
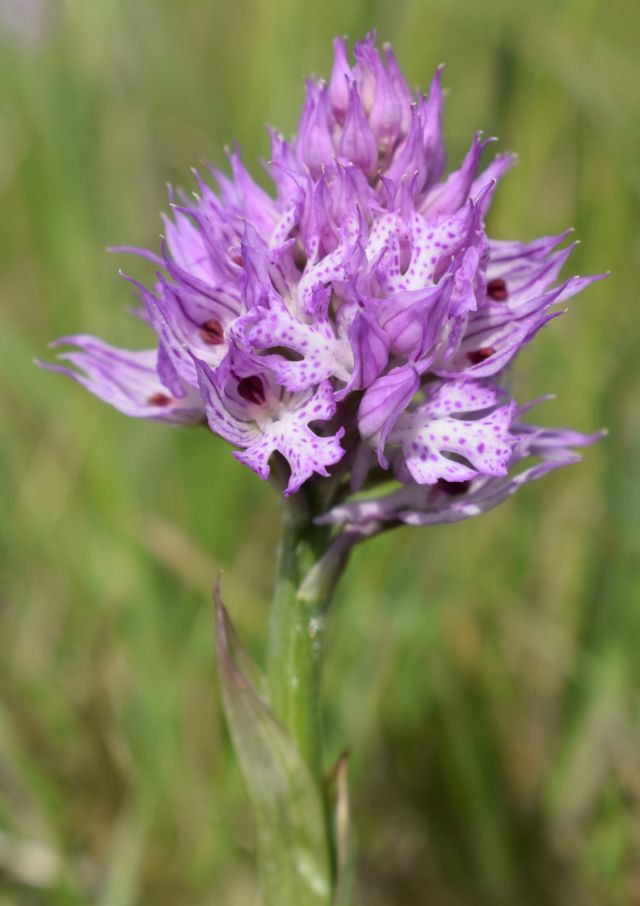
[{"x": 287, "y": 804}]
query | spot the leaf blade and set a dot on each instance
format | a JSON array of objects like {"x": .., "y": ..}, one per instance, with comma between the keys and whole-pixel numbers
[{"x": 286, "y": 802}]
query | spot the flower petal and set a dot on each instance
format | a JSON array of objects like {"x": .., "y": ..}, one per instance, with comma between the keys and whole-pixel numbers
[
  {"x": 305, "y": 451},
  {"x": 383, "y": 403},
  {"x": 429, "y": 434},
  {"x": 126, "y": 380}
]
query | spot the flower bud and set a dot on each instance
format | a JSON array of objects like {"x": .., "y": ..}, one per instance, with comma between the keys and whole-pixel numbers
[{"x": 357, "y": 143}]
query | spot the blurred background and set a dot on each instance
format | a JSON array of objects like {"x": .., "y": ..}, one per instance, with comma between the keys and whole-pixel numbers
[{"x": 486, "y": 675}]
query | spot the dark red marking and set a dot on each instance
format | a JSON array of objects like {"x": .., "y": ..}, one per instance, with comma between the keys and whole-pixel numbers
[
  {"x": 497, "y": 289},
  {"x": 251, "y": 389},
  {"x": 480, "y": 355},
  {"x": 212, "y": 333},
  {"x": 159, "y": 399}
]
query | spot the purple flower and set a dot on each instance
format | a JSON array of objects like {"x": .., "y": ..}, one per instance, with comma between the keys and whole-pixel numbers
[
  {"x": 358, "y": 314},
  {"x": 454, "y": 500},
  {"x": 247, "y": 406}
]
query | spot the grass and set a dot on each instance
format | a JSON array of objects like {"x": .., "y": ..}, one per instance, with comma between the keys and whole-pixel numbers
[{"x": 485, "y": 674}]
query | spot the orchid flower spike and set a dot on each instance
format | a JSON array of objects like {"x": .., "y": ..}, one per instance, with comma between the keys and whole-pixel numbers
[{"x": 356, "y": 322}]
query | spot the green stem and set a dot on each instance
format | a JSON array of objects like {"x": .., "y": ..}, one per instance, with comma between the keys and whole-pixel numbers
[
  {"x": 296, "y": 636},
  {"x": 311, "y": 561}
]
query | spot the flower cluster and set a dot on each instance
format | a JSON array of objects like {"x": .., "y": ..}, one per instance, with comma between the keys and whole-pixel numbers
[{"x": 357, "y": 322}]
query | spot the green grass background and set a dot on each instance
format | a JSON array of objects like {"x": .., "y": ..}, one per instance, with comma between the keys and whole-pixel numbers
[{"x": 485, "y": 674}]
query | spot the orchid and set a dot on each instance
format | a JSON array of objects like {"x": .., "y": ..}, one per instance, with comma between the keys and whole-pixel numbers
[
  {"x": 349, "y": 333},
  {"x": 333, "y": 312}
]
